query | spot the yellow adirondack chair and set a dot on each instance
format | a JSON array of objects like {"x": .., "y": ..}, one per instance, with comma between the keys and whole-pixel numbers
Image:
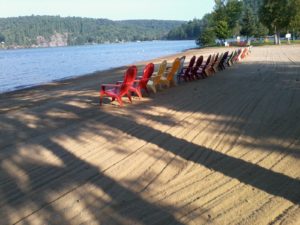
[
  {"x": 155, "y": 78},
  {"x": 168, "y": 80}
]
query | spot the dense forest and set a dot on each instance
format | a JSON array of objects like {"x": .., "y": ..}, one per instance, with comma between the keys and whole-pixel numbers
[
  {"x": 247, "y": 18},
  {"x": 44, "y": 31},
  {"x": 187, "y": 31},
  {"x": 196, "y": 27}
]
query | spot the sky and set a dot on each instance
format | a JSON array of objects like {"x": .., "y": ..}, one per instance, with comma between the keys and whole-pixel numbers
[{"x": 109, "y": 9}]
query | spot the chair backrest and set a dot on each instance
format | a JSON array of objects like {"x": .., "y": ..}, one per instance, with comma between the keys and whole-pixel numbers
[
  {"x": 199, "y": 61},
  {"x": 174, "y": 69},
  {"x": 192, "y": 61},
  {"x": 219, "y": 58},
  {"x": 236, "y": 53},
  {"x": 244, "y": 53},
  {"x": 182, "y": 59},
  {"x": 216, "y": 58},
  {"x": 212, "y": 60},
  {"x": 129, "y": 78},
  {"x": 148, "y": 71},
  {"x": 208, "y": 60},
  {"x": 198, "y": 64},
  {"x": 224, "y": 57},
  {"x": 160, "y": 72},
  {"x": 230, "y": 56},
  {"x": 162, "y": 68},
  {"x": 240, "y": 52}
]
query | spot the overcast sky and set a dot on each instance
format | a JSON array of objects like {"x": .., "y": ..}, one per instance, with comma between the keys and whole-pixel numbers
[{"x": 110, "y": 9}]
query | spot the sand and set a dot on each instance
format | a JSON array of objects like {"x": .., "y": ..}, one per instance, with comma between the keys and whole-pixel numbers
[{"x": 224, "y": 150}]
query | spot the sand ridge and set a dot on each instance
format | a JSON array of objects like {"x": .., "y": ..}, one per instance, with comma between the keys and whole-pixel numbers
[{"x": 224, "y": 150}]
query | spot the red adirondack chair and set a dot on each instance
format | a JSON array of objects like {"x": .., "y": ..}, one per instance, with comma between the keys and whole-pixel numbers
[
  {"x": 141, "y": 82},
  {"x": 117, "y": 91}
]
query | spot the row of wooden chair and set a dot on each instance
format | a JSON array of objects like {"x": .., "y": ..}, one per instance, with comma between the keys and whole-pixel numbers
[{"x": 168, "y": 76}]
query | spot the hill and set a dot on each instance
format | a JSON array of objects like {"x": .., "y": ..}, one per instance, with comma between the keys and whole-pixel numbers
[{"x": 47, "y": 31}]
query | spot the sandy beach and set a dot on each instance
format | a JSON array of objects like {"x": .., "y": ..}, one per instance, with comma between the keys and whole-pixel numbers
[{"x": 223, "y": 150}]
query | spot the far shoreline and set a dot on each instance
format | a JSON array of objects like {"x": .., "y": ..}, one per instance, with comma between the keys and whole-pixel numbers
[{"x": 83, "y": 45}]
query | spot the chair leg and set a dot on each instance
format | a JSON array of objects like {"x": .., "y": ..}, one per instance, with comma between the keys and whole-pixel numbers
[
  {"x": 151, "y": 87},
  {"x": 154, "y": 88},
  {"x": 147, "y": 91},
  {"x": 101, "y": 96},
  {"x": 120, "y": 101},
  {"x": 138, "y": 92},
  {"x": 129, "y": 96}
]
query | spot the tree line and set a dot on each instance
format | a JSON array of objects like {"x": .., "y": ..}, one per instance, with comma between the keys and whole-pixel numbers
[
  {"x": 249, "y": 18},
  {"x": 24, "y": 31},
  {"x": 230, "y": 18}
]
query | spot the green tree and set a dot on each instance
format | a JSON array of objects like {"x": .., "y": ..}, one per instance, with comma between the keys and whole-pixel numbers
[
  {"x": 260, "y": 30},
  {"x": 295, "y": 22},
  {"x": 219, "y": 12},
  {"x": 234, "y": 10},
  {"x": 207, "y": 37},
  {"x": 189, "y": 30},
  {"x": 248, "y": 23},
  {"x": 255, "y": 5},
  {"x": 278, "y": 15},
  {"x": 222, "y": 30},
  {"x": 2, "y": 38},
  {"x": 229, "y": 11}
]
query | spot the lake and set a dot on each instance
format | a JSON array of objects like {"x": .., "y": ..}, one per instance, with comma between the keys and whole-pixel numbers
[{"x": 29, "y": 67}]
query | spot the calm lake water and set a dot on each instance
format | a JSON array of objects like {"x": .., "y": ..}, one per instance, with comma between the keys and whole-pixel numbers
[{"x": 28, "y": 67}]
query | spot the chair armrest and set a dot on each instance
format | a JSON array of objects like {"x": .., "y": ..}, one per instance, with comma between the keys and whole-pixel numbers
[
  {"x": 103, "y": 86},
  {"x": 200, "y": 70},
  {"x": 153, "y": 77},
  {"x": 168, "y": 68},
  {"x": 111, "y": 85},
  {"x": 184, "y": 69}
]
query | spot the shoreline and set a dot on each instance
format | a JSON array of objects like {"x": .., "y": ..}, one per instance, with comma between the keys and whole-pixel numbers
[
  {"x": 70, "y": 77},
  {"x": 95, "y": 44},
  {"x": 97, "y": 73}
]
